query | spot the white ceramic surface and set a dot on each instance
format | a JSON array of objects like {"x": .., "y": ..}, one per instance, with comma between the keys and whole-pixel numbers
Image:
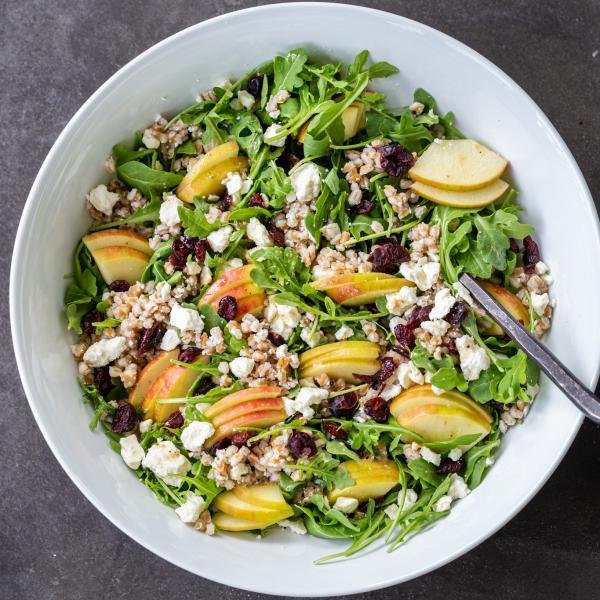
[{"x": 167, "y": 77}]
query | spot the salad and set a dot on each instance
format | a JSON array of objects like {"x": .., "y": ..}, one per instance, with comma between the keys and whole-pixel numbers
[{"x": 270, "y": 328}]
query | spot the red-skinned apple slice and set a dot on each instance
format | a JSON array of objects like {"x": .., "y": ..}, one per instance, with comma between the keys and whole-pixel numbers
[
  {"x": 149, "y": 374},
  {"x": 117, "y": 237},
  {"x": 510, "y": 302},
  {"x": 259, "y": 419},
  {"x": 245, "y": 408},
  {"x": 242, "y": 397}
]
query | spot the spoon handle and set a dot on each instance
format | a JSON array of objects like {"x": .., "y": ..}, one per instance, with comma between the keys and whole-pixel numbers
[{"x": 573, "y": 389}]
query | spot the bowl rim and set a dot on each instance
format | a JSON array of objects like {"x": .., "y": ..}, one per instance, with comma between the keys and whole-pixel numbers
[{"x": 121, "y": 73}]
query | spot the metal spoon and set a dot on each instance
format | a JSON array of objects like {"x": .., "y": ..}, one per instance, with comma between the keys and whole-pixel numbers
[{"x": 573, "y": 389}]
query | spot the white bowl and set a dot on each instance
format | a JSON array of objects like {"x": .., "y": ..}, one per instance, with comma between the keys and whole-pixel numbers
[{"x": 488, "y": 105}]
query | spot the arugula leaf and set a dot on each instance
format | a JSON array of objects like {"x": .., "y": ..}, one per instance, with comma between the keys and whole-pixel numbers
[
  {"x": 195, "y": 223},
  {"x": 150, "y": 213},
  {"x": 121, "y": 154},
  {"x": 286, "y": 70},
  {"x": 147, "y": 180}
]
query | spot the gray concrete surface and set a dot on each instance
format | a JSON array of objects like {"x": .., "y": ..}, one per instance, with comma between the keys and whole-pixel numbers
[{"x": 53, "y": 542}]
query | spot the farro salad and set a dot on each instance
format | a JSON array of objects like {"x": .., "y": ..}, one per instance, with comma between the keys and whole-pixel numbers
[{"x": 270, "y": 326}]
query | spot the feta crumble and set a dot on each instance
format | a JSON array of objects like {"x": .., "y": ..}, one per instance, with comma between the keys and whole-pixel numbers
[
  {"x": 270, "y": 132},
  {"x": 219, "y": 240},
  {"x": 424, "y": 275},
  {"x": 399, "y": 302},
  {"x": 246, "y": 99},
  {"x": 296, "y": 526},
  {"x": 258, "y": 233},
  {"x": 132, "y": 452},
  {"x": 539, "y": 303},
  {"x": 344, "y": 333},
  {"x": 306, "y": 182},
  {"x": 458, "y": 488},
  {"x": 105, "y": 351},
  {"x": 241, "y": 367},
  {"x": 103, "y": 200},
  {"x": 169, "y": 213},
  {"x": 430, "y": 456},
  {"x": 443, "y": 504},
  {"x": 443, "y": 302},
  {"x": 473, "y": 358},
  {"x": 195, "y": 435},
  {"x": 189, "y": 511},
  {"x": 437, "y": 327},
  {"x": 186, "y": 319},
  {"x": 166, "y": 462},
  {"x": 304, "y": 400},
  {"x": 170, "y": 340},
  {"x": 145, "y": 425},
  {"x": 345, "y": 504},
  {"x": 282, "y": 319}
]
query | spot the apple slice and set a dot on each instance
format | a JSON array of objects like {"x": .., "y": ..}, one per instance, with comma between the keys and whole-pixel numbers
[
  {"x": 458, "y": 165},
  {"x": 439, "y": 418},
  {"x": 237, "y": 283},
  {"x": 355, "y": 289},
  {"x": 232, "y": 504},
  {"x": 258, "y": 419},
  {"x": 509, "y": 301},
  {"x": 471, "y": 199},
  {"x": 230, "y": 401},
  {"x": 120, "y": 262},
  {"x": 226, "y": 522},
  {"x": 341, "y": 360},
  {"x": 174, "y": 382},
  {"x": 353, "y": 119},
  {"x": 372, "y": 479},
  {"x": 149, "y": 374},
  {"x": 267, "y": 495},
  {"x": 254, "y": 406},
  {"x": 117, "y": 237}
]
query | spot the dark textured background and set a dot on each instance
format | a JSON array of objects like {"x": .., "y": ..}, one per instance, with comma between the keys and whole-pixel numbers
[{"x": 53, "y": 55}]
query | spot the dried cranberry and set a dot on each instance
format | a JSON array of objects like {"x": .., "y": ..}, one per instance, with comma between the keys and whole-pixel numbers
[
  {"x": 301, "y": 445},
  {"x": 88, "y": 320},
  {"x": 227, "y": 308},
  {"x": 457, "y": 314},
  {"x": 387, "y": 257},
  {"x": 276, "y": 234},
  {"x": 200, "y": 249},
  {"x": 531, "y": 254},
  {"x": 119, "y": 285},
  {"x": 334, "y": 430},
  {"x": 257, "y": 200},
  {"x": 497, "y": 406},
  {"x": 125, "y": 419},
  {"x": 240, "y": 438},
  {"x": 175, "y": 420},
  {"x": 287, "y": 161},
  {"x": 254, "y": 85},
  {"x": 189, "y": 355},
  {"x": 204, "y": 386},
  {"x": 275, "y": 338},
  {"x": 451, "y": 345},
  {"x": 220, "y": 445},
  {"x": 451, "y": 466},
  {"x": 386, "y": 370},
  {"x": 178, "y": 261},
  {"x": 418, "y": 315},
  {"x": 102, "y": 380},
  {"x": 226, "y": 202},
  {"x": 406, "y": 339},
  {"x": 344, "y": 405},
  {"x": 364, "y": 207},
  {"x": 512, "y": 243},
  {"x": 377, "y": 408},
  {"x": 183, "y": 246},
  {"x": 151, "y": 338},
  {"x": 395, "y": 160}
]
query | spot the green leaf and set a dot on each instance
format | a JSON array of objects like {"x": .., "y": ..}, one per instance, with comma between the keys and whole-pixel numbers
[
  {"x": 340, "y": 449},
  {"x": 246, "y": 213},
  {"x": 425, "y": 472},
  {"x": 286, "y": 70},
  {"x": 444, "y": 447},
  {"x": 121, "y": 154},
  {"x": 106, "y": 323},
  {"x": 381, "y": 69},
  {"x": 147, "y": 180},
  {"x": 195, "y": 223}
]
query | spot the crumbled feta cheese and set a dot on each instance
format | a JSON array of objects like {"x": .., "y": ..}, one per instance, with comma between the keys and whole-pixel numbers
[
  {"x": 539, "y": 303},
  {"x": 105, "y": 351},
  {"x": 408, "y": 374},
  {"x": 438, "y": 327},
  {"x": 331, "y": 231},
  {"x": 302, "y": 403},
  {"x": 241, "y": 366},
  {"x": 430, "y": 456},
  {"x": 312, "y": 338},
  {"x": 186, "y": 319},
  {"x": 399, "y": 302},
  {"x": 258, "y": 233},
  {"x": 345, "y": 504},
  {"x": 205, "y": 276},
  {"x": 306, "y": 181},
  {"x": 202, "y": 406},
  {"x": 344, "y": 333},
  {"x": 166, "y": 462},
  {"x": 541, "y": 268},
  {"x": 443, "y": 302},
  {"x": 170, "y": 340},
  {"x": 103, "y": 200},
  {"x": 270, "y": 132},
  {"x": 409, "y": 500},
  {"x": 219, "y": 240},
  {"x": 424, "y": 275},
  {"x": 282, "y": 319},
  {"x": 131, "y": 451},
  {"x": 232, "y": 263},
  {"x": 473, "y": 358},
  {"x": 189, "y": 511},
  {"x": 168, "y": 213},
  {"x": 150, "y": 140},
  {"x": 234, "y": 183},
  {"x": 412, "y": 451},
  {"x": 463, "y": 292},
  {"x": 443, "y": 504},
  {"x": 455, "y": 454},
  {"x": 392, "y": 511},
  {"x": 377, "y": 227},
  {"x": 246, "y": 99},
  {"x": 295, "y": 526},
  {"x": 195, "y": 434},
  {"x": 145, "y": 425},
  {"x": 458, "y": 488}
]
